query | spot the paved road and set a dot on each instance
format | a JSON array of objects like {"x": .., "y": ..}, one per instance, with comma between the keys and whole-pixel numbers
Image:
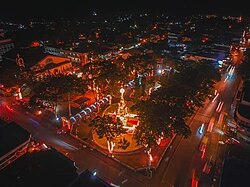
[
  {"x": 184, "y": 168},
  {"x": 179, "y": 165},
  {"x": 85, "y": 158}
]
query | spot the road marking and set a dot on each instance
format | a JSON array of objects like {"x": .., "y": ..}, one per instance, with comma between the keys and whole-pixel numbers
[
  {"x": 124, "y": 181},
  {"x": 166, "y": 159},
  {"x": 34, "y": 121},
  {"x": 215, "y": 97}
]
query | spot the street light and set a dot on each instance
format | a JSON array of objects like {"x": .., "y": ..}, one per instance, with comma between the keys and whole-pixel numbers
[
  {"x": 122, "y": 91},
  {"x": 159, "y": 71}
]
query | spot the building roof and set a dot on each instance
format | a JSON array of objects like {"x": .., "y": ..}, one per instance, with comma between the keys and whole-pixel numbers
[
  {"x": 42, "y": 168},
  {"x": 87, "y": 179},
  {"x": 53, "y": 65},
  {"x": 246, "y": 91},
  {"x": 11, "y": 136},
  {"x": 31, "y": 56},
  {"x": 81, "y": 100},
  {"x": 244, "y": 110},
  {"x": 235, "y": 172},
  {"x": 5, "y": 41}
]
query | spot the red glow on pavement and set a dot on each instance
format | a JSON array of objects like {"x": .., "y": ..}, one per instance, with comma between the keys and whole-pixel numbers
[
  {"x": 204, "y": 167},
  {"x": 194, "y": 181}
]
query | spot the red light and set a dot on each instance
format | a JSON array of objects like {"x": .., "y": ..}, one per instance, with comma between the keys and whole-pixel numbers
[
  {"x": 10, "y": 109},
  {"x": 194, "y": 180},
  {"x": 203, "y": 152}
]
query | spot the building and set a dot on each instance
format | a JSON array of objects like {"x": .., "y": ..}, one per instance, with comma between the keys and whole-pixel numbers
[
  {"x": 52, "y": 65},
  {"x": 6, "y": 44},
  {"x": 14, "y": 141},
  {"x": 242, "y": 112},
  {"x": 75, "y": 57},
  {"x": 46, "y": 167},
  {"x": 29, "y": 56},
  {"x": 172, "y": 38}
]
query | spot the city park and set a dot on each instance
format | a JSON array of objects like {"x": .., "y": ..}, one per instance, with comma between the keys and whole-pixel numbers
[
  {"x": 118, "y": 131},
  {"x": 113, "y": 126},
  {"x": 120, "y": 145}
]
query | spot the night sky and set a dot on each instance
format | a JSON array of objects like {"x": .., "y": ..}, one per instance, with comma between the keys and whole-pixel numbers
[{"x": 81, "y": 8}]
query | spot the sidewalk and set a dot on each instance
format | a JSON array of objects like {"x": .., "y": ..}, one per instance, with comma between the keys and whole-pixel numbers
[{"x": 136, "y": 160}]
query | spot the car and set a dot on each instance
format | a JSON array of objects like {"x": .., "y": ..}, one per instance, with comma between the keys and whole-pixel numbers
[
  {"x": 60, "y": 131},
  {"x": 221, "y": 142},
  {"x": 201, "y": 128},
  {"x": 207, "y": 166},
  {"x": 232, "y": 141},
  {"x": 203, "y": 146}
]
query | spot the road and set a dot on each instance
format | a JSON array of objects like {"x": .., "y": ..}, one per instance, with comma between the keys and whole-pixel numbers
[
  {"x": 85, "y": 158},
  {"x": 185, "y": 165},
  {"x": 181, "y": 165}
]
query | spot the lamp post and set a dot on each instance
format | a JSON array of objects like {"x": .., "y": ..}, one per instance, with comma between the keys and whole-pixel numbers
[{"x": 150, "y": 159}]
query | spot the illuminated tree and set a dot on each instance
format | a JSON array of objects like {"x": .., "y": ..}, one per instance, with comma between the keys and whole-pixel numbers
[
  {"x": 158, "y": 120},
  {"x": 167, "y": 109},
  {"x": 109, "y": 128},
  {"x": 53, "y": 89}
]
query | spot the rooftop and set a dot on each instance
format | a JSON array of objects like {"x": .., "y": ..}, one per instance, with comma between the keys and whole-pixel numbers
[
  {"x": 53, "y": 65},
  {"x": 11, "y": 136},
  {"x": 30, "y": 55},
  {"x": 42, "y": 168},
  {"x": 235, "y": 173},
  {"x": 246, "y": 91},
  {"x": 244, "y": 110}
]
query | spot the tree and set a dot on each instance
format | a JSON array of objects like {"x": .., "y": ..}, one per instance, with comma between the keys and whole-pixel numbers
[
  {"x": 245, "y": 66},
  {"x": 109, "y": 128},
  {"x": 52, "y": 89},
  {"x": 123, "y": 143},
  {"x": 165, "y": 112},
  {"x": 45, "y": 92},
  {"x": 71, "y": 84},
  {"x": 111, "y": 78},
  {"x": 158, "y": 120}
]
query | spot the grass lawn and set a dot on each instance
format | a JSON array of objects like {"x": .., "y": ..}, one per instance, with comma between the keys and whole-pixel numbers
[{"x": 83, "y": 130}]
